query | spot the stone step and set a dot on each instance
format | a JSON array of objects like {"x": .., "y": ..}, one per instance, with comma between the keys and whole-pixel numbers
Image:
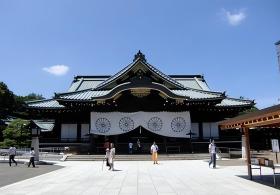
[{"x": 139, "y": 157}]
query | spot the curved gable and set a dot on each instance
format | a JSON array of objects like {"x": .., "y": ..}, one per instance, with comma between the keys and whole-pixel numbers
[{"x": 139, "y": 68}]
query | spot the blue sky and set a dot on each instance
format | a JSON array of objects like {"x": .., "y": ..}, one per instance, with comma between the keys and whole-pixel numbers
[{"x": 43, "y": 44}]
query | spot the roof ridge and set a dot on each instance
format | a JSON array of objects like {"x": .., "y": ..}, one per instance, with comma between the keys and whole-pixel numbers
[
  {"x": 149, "y": 66},
  {"x": 190, "y": 76},
  {"x": 126, "y": 67},
  {"x": 196, "y": 80},
  {"x": 241, "y": 100},
  {"x": 176, "y": 82},
  {"x": 35, "y": 101},
  {"x": 73, "y": 92},
  {"x": 203, "y": 91}
]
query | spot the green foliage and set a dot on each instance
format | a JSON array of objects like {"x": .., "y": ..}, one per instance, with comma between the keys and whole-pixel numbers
[
  {"x": 7, "y": 143},
  {"x": 20, "y": 101},
  {"x": 253, "y": 109},
  {"x": 17, "y": 134},
  {"x": 7, "y": 100},
  {"x": 11, "y": 104}
]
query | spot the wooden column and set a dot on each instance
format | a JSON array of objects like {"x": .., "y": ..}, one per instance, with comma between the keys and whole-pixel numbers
[{"x": 248, "y": 153}]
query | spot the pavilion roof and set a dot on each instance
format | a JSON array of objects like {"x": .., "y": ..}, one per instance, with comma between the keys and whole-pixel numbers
[
  {"x": 262, "y": 118},
  {"x": 44, "y": 125}
]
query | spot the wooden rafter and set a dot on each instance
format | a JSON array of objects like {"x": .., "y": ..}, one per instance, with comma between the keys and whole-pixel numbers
[{"x": 269, "y": 117}]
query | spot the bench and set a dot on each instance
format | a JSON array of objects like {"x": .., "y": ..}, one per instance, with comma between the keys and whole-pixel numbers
[{"x": 258, "y": 163}]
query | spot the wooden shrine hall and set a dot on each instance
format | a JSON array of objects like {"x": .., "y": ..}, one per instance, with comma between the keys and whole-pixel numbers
[{"x": 137, "y": 103}]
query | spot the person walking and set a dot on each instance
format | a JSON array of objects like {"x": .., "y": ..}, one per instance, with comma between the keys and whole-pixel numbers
[
  {"x": 130, "y": 147},
  {"x": 107, "y": 157},
  {"x": 112, "y": 157},
  {"x": 106, "y": 144},
  {"x": 12, "y": 154},
  {"x": 212, "y": 152},
  {"x": 139, "y": 146},
  {"x": 32, "y": 157},
  {"x": 154, "y": 152}
]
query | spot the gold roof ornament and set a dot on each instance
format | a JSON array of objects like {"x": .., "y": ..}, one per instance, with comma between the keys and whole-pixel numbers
[{"x": 140, "y": 92}]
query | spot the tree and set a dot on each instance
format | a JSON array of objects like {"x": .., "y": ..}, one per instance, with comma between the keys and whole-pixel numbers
[
  {"x": 20, "y": 102},
  {"x": 253, "y": 109},
  {"x": 17, "y": 134},
  {"x": 7, "y": 100},
  {"x": 11, "y": 104},
  {"x": 30, "y": 97}
]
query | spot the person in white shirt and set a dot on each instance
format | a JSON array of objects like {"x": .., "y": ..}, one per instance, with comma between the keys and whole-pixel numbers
[
  {"x": 154, "y": 152},
  {"x": 32, "y": 156},
  {"x": 12, "y": 154},
  {"x": 212, "y": 151},
  {"x": 112, "y": 157}
]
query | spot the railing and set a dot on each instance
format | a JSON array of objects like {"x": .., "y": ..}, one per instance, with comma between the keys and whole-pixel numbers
[
  {"x": 64, "y": 140},
  {"x": 145, "y": 148},
  {"x": 202, "y": 146},
  {"x": 50, "y": 153},
  {"x": 226, "y": 152}
]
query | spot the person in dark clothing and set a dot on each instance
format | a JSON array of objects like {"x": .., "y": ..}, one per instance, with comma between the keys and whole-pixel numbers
[
  {"x": 107, "y": 157},
  {"x": 139, "y": 147},
  {"x": 12, "y": 154}
]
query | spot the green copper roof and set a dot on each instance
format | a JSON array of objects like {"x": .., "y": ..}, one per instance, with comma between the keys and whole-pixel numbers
[
  {"x": 228, "y": 102},
  {"x": 51, "y": 103},
  {"x": 149, "y": 66},
  {"x": 90, "y": 88},
  {"x": 45, "y": 126},
  {"x": 90, "y": 82},
  {"x": 198, "y": 94},
  {"x": 90, "y": 94},
  {"x": 86, "y": 82},
  {"x": 83, "y": 95}
]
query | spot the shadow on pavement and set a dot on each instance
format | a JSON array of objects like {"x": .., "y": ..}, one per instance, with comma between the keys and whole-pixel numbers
[
  {"x": 21, "y": 172},
  {"x": 266, "y": 180}
]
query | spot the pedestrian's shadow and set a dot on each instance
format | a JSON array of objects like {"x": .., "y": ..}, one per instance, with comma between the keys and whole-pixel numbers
[{"x": 117, "y": 170}]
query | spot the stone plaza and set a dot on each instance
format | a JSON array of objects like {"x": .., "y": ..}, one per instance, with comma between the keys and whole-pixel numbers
[{"x": 142, "y": 177}]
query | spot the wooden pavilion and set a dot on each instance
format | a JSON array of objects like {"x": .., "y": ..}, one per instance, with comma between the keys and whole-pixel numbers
[{"x": 265, "y": 118}]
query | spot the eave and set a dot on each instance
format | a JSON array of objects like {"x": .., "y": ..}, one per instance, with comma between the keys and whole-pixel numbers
[{"x": 268, "y": 117}]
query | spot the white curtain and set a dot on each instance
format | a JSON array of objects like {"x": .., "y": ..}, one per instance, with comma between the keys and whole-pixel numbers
[{"x": 170, "y": 124}]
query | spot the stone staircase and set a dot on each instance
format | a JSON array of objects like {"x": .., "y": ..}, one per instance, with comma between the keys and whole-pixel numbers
[{"x": 142, "y": 157}]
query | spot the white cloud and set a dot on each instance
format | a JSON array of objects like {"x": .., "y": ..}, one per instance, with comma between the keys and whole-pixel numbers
[
  {"x": 234, "y": 18},
  {"x": 57, "y": 70}
]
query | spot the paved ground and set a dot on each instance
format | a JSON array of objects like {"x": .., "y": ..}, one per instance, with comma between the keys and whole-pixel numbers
[
  {"x": 9, "y": 175},
  {"x": 135, "y": 177}
]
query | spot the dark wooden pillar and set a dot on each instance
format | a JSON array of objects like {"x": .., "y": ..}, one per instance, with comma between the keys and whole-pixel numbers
[
  {"x": 79, "y": 127},
  {"x": 248, "y": 153}
]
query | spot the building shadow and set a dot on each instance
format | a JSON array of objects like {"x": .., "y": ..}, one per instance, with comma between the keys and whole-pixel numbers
[{"x": 266, "y": 180}]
